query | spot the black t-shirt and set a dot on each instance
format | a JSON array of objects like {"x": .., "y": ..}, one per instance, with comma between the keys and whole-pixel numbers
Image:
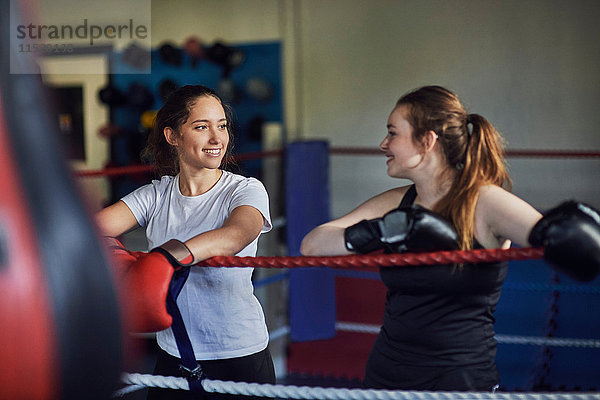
[{"x": 438, "y": 326}]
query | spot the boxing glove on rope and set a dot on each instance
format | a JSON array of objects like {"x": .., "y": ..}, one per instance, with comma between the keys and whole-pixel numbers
[
  {"x": 570, "y": 235},
  {"x": 122, "y": 257},
  {"x": 146, "y": 278},
  {"x": 403, "y": 229}
]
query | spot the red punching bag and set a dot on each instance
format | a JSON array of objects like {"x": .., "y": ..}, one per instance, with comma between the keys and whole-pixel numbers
[
  {"x": 61, "y": 332},
  {"x": 27, "y": 336}
]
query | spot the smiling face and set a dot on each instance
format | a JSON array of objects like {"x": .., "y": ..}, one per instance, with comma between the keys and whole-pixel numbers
[
  {"x": 403, "y": 154},
  {"x": 203, "y": 138}
]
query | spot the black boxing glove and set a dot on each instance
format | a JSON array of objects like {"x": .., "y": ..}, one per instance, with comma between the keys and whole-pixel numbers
[
  {"x": 570, "y": 234},
  {"x": 412, "y": 228}
]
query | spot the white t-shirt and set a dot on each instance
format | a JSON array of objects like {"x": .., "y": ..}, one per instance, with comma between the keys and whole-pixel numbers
[{"x": 222, "y": 316}]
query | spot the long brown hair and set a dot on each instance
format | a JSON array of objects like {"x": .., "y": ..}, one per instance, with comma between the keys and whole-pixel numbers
[
  {"x": 472, "y": 147},
  {"x": 173, "y": 114}
]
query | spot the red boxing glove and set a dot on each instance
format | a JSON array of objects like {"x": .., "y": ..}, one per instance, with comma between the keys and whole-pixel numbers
[
  {"x": 147, "y": 283},
  {"x": 121, "y": 257}
]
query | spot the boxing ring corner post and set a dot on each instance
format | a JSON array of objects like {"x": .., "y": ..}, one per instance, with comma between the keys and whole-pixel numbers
[{"x": 312, "y": 290}]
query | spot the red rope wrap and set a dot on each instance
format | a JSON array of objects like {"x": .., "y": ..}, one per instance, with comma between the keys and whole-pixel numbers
[
  {"x": 134, "y": 169},
  {"x": 379, "y": 260},
  {"x": 115, "y": 171}
]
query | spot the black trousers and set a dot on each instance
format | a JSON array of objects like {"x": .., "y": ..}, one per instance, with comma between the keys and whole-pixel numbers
[{"x": 256, "y": 368}]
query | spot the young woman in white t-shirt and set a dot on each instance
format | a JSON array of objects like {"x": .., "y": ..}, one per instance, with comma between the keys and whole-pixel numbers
[{"x": 205, "y": 211}]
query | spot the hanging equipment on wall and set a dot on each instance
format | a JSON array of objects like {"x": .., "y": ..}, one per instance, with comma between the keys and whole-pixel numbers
[
  {"x": 170, "y": 54},
  {"x": 194, "y": 47},
  {"x": 139, "y": 96},
  {"x": 147, "y": 119},
  {"x": 225, "y": 56},
  {"x": 111, "y": 96},
  {"x": 259, "y": 89},
  {"x": 136, "y": 56},
  {"x": 166, "y": 87},
  {"x": 109, "y": 130}
]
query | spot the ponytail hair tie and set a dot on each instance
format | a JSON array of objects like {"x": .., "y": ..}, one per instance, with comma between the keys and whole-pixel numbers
[{"x": 468, "y": 129}]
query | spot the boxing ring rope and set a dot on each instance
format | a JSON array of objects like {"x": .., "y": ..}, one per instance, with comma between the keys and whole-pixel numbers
[
  {"x": 136, "y": 169},
  {"x": 537, "y": 287},
  {"x": 370, "y": 261},
  {"x": 507, "y": 153},
  {"x": 310, "y": 392},
  {"x": 507, "y": 339},
  {"x": 525, "y": 287}
]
